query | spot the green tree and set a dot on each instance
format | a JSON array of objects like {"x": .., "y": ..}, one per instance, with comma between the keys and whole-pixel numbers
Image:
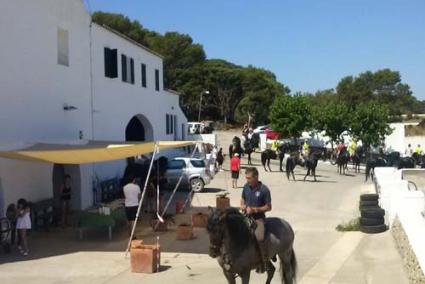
[
  {"x": 369, "y": 123},
  {"x": 333, "y": 118},
  {"x": 291, "y": 115}
]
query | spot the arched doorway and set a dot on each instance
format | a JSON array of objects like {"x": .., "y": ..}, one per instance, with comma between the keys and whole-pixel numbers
[{"x": 139, "y": 129}]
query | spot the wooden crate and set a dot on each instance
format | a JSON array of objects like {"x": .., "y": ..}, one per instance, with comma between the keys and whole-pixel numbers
[
  {"x": 185, "y": 232},
  {"x": 222, "y": 202},
  {"x": 145, "y": 258},
  {"x": 200, "y": 220}
]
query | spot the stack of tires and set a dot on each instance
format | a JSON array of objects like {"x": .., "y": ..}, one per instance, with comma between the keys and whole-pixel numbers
[{"x": 372, "y": 216}]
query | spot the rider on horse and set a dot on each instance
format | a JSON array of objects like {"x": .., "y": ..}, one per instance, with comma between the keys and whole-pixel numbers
[
  {"x": 352, "y": 148},
  {"x": 255, "y": 202},
  {"x": 340, "y": 148}
]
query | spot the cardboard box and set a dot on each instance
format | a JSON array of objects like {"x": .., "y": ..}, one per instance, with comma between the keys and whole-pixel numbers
[{"x": 145, "y": 258}]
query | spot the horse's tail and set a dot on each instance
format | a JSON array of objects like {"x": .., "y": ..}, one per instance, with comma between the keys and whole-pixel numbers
[
  {"x": 288, "y": 167},
  {"x": 289, "y": 270},
  {"x": 367, "y": 171}
]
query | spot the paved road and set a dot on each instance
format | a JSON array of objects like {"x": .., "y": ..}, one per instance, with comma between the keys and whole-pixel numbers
[{"x": 313, "y": 208}]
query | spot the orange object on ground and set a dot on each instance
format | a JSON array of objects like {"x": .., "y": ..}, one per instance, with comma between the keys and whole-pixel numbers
[
  {"x": 145, "y": 258},
  {"x": 185, "y": 232},
  {"x": 200, "y": 220},
  {"x": 179, "y": 206},
  {"x": 222, "y": 202}
]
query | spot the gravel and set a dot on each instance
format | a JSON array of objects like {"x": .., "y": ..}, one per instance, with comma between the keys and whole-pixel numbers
[{"x": 414, "y": 271}]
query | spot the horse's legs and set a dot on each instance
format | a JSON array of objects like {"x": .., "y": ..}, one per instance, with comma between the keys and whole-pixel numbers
[
  {"x": 231, "y": 278},
  {"x": 245, "y": 277},
  {"x": 293, "y": 175},
  {"x": 270, "y": 272},
  {"x": 314, "y": 174},
  {"x": 268, "y": 164},
  {"x": 288, "y": 267},
  {"x": 308, "y": 173},
  {"x": 280, "y": 164}
]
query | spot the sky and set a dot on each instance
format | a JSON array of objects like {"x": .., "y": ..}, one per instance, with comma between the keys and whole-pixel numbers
[{"x": 309, "y": 44}]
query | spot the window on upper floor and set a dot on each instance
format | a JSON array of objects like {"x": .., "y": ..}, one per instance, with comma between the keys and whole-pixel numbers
[
  {"x": 143, "y": 75},
  {"x": 170, "y": 123},
  {"x": 63, "y": 47},
  {"x": 111, "y": 62},
  {"x": 127, "y": 69},
  {"x": 157, "y": 79}
]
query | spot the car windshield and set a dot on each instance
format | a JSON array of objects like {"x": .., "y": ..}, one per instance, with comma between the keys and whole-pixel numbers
[
  {"x": 198, "y": 163},
  {"x": 176, "y": 165}
]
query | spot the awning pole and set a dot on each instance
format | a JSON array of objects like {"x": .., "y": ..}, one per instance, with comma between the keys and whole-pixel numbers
[
  {"x": 141, "y": 199},
  {"x": 175, "y": 190}
]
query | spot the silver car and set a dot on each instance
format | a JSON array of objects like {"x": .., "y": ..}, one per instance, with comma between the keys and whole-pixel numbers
[{"x": 194, "y": 171}]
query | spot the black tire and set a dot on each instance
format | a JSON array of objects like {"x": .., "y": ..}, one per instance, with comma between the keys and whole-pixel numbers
[
  {"x": 373, "y": 229},
  {"x": 371, "y": 221},
  {"x": 369, "y": 197},
  {"x": 368, "y": 203},
  {"x": 373, "y": 213},
  {"x": 372, "y": 207}
]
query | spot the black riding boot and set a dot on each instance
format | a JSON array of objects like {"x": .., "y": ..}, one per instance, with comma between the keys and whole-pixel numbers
[{"x": 263, "y": 256}]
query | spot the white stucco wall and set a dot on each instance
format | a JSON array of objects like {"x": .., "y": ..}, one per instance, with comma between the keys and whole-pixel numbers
[{"x": 34, "y": 89}]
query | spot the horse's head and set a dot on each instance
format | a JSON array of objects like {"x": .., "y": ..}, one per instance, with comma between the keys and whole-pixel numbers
[{"x": 216, "y": 229}]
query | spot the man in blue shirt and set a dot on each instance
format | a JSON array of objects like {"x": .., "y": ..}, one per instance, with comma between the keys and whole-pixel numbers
[{"x": 256, "y": 201}]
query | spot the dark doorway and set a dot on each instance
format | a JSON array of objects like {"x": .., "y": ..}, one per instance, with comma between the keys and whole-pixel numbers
[{"x": 135, "y": 130}]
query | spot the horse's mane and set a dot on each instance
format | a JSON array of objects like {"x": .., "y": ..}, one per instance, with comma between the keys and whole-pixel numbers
[{"x": 237, "y": 227}]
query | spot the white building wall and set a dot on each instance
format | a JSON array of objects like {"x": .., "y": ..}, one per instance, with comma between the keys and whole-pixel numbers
[{"x": 34, "y": 87}]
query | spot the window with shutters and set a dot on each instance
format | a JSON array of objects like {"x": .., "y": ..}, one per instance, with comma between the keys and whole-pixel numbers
[
  {"x": 167, "y": 122},
  {"x": 170, "y": 124},
  {"x": 127, "y": 69},
  {"x": 157, "y": 79},
  {"x": 144, "y": 75},
  {"x": 63, "y": 47},
  {"x": 111, "y": 63}
]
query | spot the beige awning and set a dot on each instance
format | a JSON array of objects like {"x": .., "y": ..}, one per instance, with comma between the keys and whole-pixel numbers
[{"x": 90, "y": 152}]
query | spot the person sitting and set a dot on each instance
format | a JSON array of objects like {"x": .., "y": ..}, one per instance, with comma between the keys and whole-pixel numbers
[
  {"x": 339, "y": 149},
  {"x": 419, "y": 150}
]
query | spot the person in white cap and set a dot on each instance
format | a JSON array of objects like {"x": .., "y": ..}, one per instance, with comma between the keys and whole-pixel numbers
[{"x": 235, "y": 166}]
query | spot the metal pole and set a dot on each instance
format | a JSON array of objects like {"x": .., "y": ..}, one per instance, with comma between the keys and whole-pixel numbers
[
  {"x": 141, "y": 199},
  {"x": 200, "y": 105}
]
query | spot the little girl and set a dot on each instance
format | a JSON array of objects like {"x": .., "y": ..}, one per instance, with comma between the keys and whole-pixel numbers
[{"x": 23, "y": 224}]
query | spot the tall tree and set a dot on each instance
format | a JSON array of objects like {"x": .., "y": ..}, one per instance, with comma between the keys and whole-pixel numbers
[
  {"x": 369, "y": 123},
  {"x": 291, "y": 115}
]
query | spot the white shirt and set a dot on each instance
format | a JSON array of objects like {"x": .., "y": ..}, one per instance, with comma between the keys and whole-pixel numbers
[{"x": 131, "y": 193}]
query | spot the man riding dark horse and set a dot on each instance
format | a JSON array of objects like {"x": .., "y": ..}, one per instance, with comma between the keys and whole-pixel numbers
[
  {"x": 248, "y": 146},
  {"x": 255, "y": 202},
  {"x": 235, "y": 147},
  {"x": 342, "y": 160}
]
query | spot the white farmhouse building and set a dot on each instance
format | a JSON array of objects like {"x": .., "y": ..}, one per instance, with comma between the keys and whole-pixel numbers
[{"x": 67, "y": 80}]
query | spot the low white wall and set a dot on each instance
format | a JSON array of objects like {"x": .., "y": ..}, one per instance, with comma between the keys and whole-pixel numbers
[
  {"x": 207, "y": 138},
  {"x": 408, "y": 205}
]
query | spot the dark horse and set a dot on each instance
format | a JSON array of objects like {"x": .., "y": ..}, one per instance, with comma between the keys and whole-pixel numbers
[
  {"x": 371, "y": 164},
  {"x": 234, "y": 245},
  {"x": 356, "y": 158},
  {"x": 311, "y": 163},
  {"x": 282, "y": 150},
  {"x": 266, "y": 156},
  {"x": 291, "y": 163},
  {"x": 342, "y": 161},
  {"x": 249, "y": 147},
  {"x": 235, "y": 147}
]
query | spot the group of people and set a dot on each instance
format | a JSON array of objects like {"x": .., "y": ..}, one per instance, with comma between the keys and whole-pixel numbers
[
  {"x": 409, "y": 150},
  {"x": 19, "y": 216}
]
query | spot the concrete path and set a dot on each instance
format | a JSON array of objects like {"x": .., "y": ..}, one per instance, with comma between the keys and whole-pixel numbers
[{"x": 314, "y": 209}]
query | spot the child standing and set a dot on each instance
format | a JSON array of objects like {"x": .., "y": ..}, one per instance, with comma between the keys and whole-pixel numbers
[
  {"x": 23, "y": 224},
  {"x": 235, "y": 166}
]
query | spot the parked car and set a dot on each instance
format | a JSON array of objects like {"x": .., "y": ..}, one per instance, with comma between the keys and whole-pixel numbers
[
  {"x": 195, "y": 127},
  {"x": 196, "y": 173},
  {"x": 273, "y": 135},
  {"x": 261, "y": 129}
]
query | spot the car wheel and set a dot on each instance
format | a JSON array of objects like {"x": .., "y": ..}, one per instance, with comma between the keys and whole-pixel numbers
[
  {"x": 373, "y": 229},
  {"x": 197, "y": 185}
]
